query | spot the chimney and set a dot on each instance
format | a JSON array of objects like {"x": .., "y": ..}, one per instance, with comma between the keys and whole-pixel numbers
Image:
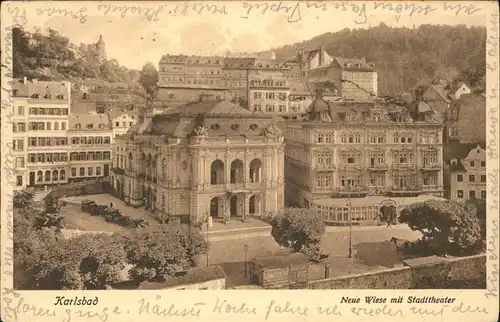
[
  {"x": 321, "y": 56},
  {"x": 419, "y": 94},
  {"x": 25, "y": 80}
]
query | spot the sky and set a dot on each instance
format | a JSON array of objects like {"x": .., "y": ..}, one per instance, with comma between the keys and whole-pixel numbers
[{"x": 140, "y": 32}]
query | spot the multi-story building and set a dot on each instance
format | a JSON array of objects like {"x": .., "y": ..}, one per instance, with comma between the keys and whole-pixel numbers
[
  {"x": 466, "y": 119},
  {"x": 208, "y": 158},
  {"x": 40, "y": 142},
  {"x": 184, "y": 79},
  {"x": 363, "y": 151},
  {"x": 356, "y": 80},
  {"x": 121, "y": 123},
  {"x": 90, "y": 136},
  {"x": 468, "y": 175},
  {"x": 269, "y": 92}
]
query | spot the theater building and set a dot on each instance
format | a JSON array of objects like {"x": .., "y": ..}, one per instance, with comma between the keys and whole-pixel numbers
[
  {"x": 355, "y": 150},
  {"x": 40, "y": 142},
  {"x": 208, "y": 158}
]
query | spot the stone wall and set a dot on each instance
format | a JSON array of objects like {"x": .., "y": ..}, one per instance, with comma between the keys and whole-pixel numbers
[
  {"x": 91, "y": 187},
  {"x": 440, "y": 275}
]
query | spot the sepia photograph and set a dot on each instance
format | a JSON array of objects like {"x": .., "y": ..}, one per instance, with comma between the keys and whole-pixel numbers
[{"x": 259, "y": 153}]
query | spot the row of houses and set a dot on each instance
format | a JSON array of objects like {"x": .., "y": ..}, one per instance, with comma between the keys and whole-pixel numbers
[{"x": 55, "y": 141}]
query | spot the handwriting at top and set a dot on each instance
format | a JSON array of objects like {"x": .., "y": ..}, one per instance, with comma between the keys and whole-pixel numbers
[
  {"x": 199, "y": 8},
  {"x": 150, "y": 14},
  {"x": 409, "y": 9},
  {"x": 291, "y": 9},
  {"x": 80, "y": 14}
]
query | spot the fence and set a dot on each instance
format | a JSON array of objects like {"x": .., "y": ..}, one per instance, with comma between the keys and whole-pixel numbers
[{"x": 468, "y": 272}]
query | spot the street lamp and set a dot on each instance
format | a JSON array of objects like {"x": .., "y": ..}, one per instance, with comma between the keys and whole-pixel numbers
[
  {"x": 350, "y": 226},
  {"x": 246, "y": 260},
  {"x": 208, "y": 214}
]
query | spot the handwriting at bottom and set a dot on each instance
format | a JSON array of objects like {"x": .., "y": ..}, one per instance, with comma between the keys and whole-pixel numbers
[{"x": 362, "y": 311}]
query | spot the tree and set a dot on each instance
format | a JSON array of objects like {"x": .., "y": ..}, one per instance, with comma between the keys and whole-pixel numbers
[
  {"x": 149, "y": 79},
  {"x": 478, "y": 207},
  {"x": 447, "y": 226},
  {"x": 89, "y": 261},
  {"x": 299, "y": 229},
  {"x": 23, "y": 199},
  {"x": 157, "y": 252}
]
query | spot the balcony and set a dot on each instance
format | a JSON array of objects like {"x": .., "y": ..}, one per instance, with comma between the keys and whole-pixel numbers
[
  {"x": 432, "y": 188},
  {"x": 325, "y": 167},
  {"x": 118, "y": 171},
  {"x": 378, "y": 167},
  {"x": 357, "y": 191},
  {"x": 405, "y": 191},
  {"x": 431, "y": 167},
  {"x": 405, "y": 166}
]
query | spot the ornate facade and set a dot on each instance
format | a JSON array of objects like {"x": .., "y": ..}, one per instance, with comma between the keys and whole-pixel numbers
[
  {"x": 204, "y": 158},
  {"x": 357, "y": 150}
]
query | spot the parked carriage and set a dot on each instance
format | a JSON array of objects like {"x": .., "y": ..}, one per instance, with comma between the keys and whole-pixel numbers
[
  {"x": 98, "y": 210},
  {"x": 111, "y": 214},
  {"x": 86, "y": 204}
]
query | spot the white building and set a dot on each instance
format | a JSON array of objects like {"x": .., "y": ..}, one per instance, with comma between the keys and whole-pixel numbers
[
  {"x": 40, "y": 142},
  {"x": 468, "y": 175},
  {"x": 120, "y": 123}
]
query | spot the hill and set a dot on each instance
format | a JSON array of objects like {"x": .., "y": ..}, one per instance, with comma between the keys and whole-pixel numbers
[
  {"x": 406, "y": 58},
  {"x": 52, "y": 57}
]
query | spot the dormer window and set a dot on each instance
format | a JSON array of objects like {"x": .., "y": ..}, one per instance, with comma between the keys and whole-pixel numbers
[
  {"x": 60, "y": 96},
  {"x": 48, "y": 96},
  {"x": 90, "y": 126},
  {"x": 35, "y": 95},
  {"x": 235, "y": 126},
  {"x": 101, "y": 126},
  {"x": 78, "y": 126}
]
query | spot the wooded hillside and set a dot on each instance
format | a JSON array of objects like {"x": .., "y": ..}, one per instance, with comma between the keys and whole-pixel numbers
[{"x": 406, "y": 58}]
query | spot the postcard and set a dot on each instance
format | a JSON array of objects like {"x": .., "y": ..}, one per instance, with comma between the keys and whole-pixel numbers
[{"x": 250, "y": 160}]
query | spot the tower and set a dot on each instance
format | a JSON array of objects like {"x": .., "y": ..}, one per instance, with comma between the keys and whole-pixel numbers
[{"x": 101, "y": 50}]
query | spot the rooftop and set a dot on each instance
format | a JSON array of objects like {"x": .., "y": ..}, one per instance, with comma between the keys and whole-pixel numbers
[
  {"x": 88, "y": 121},
  {"x": 44, "y": 89}
]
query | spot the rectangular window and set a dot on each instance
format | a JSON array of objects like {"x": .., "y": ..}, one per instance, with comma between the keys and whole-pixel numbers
[
  {"x": 90, "y": 171},
  {"x": 98, "y": 171},
  {"x": 472, "y": 178},
  {"x": 472, "y": 164},
  {"x": 483, "y": 178},
  {"x": 20, "y": 162},
  {"x": 460, "y": 193},
  {"x": 82, "y": 172},
  {"x": 20, "y": 110},
  {"x": 48, "y": 126},
  {"x": 483, "y": 194},
  {"x": 472, "y": 194},
  {"x": 63, "y": 125},
  {"x": 460, "y": 177},
  {"x": 483, "y": 164},
  {"x": 73, "y": 172},
  {"x": 19, "y": 181}
]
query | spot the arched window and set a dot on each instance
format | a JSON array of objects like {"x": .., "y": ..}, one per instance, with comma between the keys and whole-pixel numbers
[
  {"x": 39, "y": 176},
  {"x": 62, "y": 175},
  {"x": 55, "y": 175},
  {"x": 47, "y": 175}
]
